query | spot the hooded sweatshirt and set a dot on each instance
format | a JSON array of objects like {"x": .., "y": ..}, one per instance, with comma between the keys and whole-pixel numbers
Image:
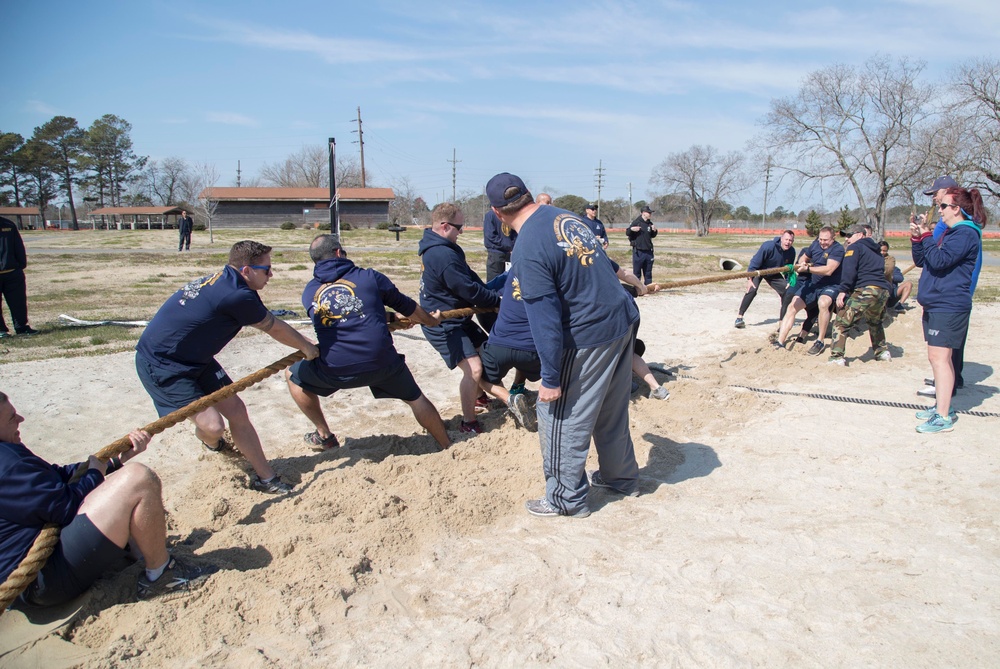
[
  {"x": 863, "y": 266},
  {"x": 12, "y": 255},
  {"x": 447, "y": 281},
  {"x": 771, "y": 255},
  {"x": 950, "y": 267},
  {"x": 347, "y": 307}
]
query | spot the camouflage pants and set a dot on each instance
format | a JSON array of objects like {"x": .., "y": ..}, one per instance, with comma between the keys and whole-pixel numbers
[{"x": 868, "y": 303}]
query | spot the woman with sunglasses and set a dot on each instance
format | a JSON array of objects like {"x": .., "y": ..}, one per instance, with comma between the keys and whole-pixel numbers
[{"x": 950, "y": 269}]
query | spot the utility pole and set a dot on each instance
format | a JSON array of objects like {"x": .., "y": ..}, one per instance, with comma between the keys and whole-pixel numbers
[
  {"x": 599, "y": 183},
  {"x": 361, "y": 143},
  {"x": 237, "y": 174},
  {"x": 629, "y": 198},
  {"x": 334, "y": 214},
  {"x": 767, "y": 184},
  {"x": 454, "y": 173}
]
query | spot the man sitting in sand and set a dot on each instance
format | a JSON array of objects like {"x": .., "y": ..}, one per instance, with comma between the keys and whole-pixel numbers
[
  {"x": 347, "y": 307},
  {"x": 100, "y": 515},
  {"x": 175, "y": 356}
]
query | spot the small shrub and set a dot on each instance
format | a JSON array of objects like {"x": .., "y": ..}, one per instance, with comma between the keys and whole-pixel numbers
[
  {"x": 343, "y": 226},
  {"x": 298, "y": 267},
  {"x": 287, "y": 225},
  {"x": 199, "y": 227},
  {"x": 384, "y": 225}
]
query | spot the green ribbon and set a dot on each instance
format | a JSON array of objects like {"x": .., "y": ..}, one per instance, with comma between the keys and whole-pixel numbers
[{"x": 793, "y": 277}]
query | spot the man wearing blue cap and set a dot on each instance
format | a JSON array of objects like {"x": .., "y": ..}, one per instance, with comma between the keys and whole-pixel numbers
[{"x": 583, "y": 326}]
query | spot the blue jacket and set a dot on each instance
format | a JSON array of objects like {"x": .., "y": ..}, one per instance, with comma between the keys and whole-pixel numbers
[
  {"x": 863, "y": 266},
  {"x": 447, "y": 282},
  {"x": 950, "y": 267},
  {"x": 497, "y": 237},
  {"x": 34, "y": 493},
  {"x": 347, "y": 307},
  {"x": 771, "y": 255}
]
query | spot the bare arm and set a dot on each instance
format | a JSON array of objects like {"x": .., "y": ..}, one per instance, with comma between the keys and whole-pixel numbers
[
  {"x": 285, "y": 334},
  {"x": 632, "y": 280},
  {"x": 420, "y": 316},
  {"x": 825, "y": 270}
]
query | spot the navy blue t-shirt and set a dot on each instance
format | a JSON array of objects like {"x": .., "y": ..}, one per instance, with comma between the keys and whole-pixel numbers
[
  {"x": 558, "y": 254},
  {"x": 819, "y": 258},
  {"x": 347, "y": 307},
  {"x": 511, "y": 328},
  {"x": 199, "y": 320}
]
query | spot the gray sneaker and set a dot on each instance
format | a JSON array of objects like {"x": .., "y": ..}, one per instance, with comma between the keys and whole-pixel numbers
[
  {"x": 177, "y": 578},
  {"x": 522, "y": 412},
  {"x": 542, "y": 509},
  {"x": 816, "y": 348},
  {"x": 274, "y": 487},
  {"x": 598, "y": 482},
  {"x": 660, "y": 393}
]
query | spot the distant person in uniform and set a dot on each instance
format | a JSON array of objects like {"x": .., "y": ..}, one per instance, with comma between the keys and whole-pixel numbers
[
  {"x": 590, "y": 218},
  {"x": 13, "y": 286},
  {"x": 185, "y": 226},
  {"x": 640, "y": 235}
]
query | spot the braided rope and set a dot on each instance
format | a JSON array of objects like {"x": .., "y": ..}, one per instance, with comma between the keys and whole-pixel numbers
[
  {"x": 861, "y": 400},
  {"x": 723, "y": 277},
  {"x": 398, "y": 322},
  {"x": 48, "y": 538}
]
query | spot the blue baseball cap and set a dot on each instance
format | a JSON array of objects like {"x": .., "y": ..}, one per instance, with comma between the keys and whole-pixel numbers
[
  {"x": 505, "y": 188},
  {"x": 941, "y": 182}
]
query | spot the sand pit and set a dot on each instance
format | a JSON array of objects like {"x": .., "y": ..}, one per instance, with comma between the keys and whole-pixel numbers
[{"x": 771, "y": 530}]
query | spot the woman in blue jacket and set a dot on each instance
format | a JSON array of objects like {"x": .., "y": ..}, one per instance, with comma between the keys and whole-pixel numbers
[{"x": 950, "y": 265}]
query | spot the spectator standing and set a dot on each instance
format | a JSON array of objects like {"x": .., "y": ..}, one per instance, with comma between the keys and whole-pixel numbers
[
  {"x": 13, "y": 285},
  {"x": 640, "y": 235},
  {"x": 185, "y": 226}
]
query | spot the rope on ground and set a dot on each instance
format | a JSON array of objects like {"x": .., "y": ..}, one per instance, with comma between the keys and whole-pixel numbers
[
  {"x": 861, "y": 400},
  {"x": 722, "y": 277},
  {"x": 46, "y": 541},
  {"x": 399, "y": 322}
]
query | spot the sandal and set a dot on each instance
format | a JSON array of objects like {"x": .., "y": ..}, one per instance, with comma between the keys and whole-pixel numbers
[{"x": 319, "y": 443}]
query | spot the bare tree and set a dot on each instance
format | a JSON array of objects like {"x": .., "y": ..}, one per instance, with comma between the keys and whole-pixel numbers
[
  {"x": 408, "y": 208},
  {"x": 706, "y": 177},
  {"x": 861, "y": 129},
  {"x": 207, "y": 175},
  {"x": 977, "y": 112},
  {"x": 167, "y": 181},
  {"x": 309, "y": 168}
]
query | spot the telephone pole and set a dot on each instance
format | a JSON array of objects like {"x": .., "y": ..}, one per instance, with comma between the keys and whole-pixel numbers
[
  {"x": 361, "y": 143},
  {"x": 599, "y": 183},
  {"x": 454, "y": 173},
  {"x": 629, "y": 198},
  {"x": 767, "y": 183},
  {"x": 237, "y": 174}
]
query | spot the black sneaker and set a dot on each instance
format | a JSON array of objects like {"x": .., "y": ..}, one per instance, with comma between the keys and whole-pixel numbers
[
  {"x": 740, "y": 324},
  {"x": 274, "y": 487},
  {"x": 320, "y": 444},
  {"x": 28, "y": 331},
  {"x": 816, "y": 348},
  {"x": 176, "y": 578},
  {"x": 598, "y": 482},
  {"x": 475, "y": 427}
]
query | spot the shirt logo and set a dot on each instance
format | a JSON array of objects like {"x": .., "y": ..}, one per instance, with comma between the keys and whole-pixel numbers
[
  {"x": 192, "y": 289},
  {"x": 335, "y": 301},
  {"x": 575, "y": 238},
  {"x": 515, "y": 291}
]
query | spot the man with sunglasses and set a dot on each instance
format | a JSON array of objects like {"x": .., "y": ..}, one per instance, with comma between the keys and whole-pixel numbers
[
  {"x": 447, "y": 282},
  {"x": 175, "y": 356}
]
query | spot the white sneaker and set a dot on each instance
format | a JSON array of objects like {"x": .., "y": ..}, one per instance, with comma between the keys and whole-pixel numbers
[
  {"x": 840, "y": 362},
  {"x": 927, "y": 391},
  {"x": 884, "y": 356}
]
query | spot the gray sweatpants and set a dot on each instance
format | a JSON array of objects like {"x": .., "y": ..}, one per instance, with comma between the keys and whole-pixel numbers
[{"x": 596, "y": 386}]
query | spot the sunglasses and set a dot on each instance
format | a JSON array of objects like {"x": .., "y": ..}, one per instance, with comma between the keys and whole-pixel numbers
[
  {"x": 945, "y": 205},
  {"x": 263, "y": 268},
  {"x": 457, "y": 227}
]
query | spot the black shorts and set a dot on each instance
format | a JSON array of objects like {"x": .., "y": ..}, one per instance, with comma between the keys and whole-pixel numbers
[
  {"x": 171, "y": 391},
  {"x": 499, "y": 360},
  {"x": 392, "y": 382},
  {"x": 79, "y": 559},
  {"x": 811, "y": 293},
  {"x": 455, "y": 342},
  {"x": 946, "y": 329}
]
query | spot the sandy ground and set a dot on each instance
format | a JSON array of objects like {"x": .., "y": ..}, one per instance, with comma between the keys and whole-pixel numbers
[{"x": 772, "y": 530}]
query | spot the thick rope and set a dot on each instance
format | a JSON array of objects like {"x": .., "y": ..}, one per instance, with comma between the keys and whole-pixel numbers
[
  {"x": 46, "y": 541},
  {"x": 721, "y": 277},
  {"x": 398, "y": 322},
  {"x": 861, "y": 400}
]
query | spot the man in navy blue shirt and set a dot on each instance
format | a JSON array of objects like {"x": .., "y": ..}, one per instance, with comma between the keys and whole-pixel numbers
[
  {"x": 499, "y": 242},
  {"x": 862, "y": 293},
  {"x": 583, "y": 327},
  {"x": 590, "y": 218},
  {"x": 777, "y": 252},
  {"x": 175, "y": 356},
  {"x": 347, "y": 307},
  {"x": 447, "y": 283},
  {"x": 13, "y": 287},
  {"x": 640, "y": 235},
  {"x": 821, "y": 262},
  {"x": 99, "y": 515}
]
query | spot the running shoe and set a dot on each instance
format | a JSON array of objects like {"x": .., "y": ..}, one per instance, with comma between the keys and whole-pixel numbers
[
  {"x": 177, "y": 578},
  {"x": 930, "y": 412},
  {"x": 936, "y": 424},
  {"x": 740, "y": 324},
  {"x": 273, "y": 486},
  {"x": 475, "y": 427},
  {"x": 598, "y": 482},
  {"x": 542, "y": 509},
  {"x": 817, "y": 348},
  {"x": 320, "y": 444}
]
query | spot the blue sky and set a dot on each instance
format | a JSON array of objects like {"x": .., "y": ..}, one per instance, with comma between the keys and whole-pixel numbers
[{"x": 542, "y": 89}]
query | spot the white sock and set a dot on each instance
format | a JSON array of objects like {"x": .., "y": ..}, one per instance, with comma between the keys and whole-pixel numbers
[{"x": 153, "y": 574}]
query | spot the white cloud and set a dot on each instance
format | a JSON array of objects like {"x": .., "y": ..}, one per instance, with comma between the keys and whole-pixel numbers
[{"x": 231, "y": 118}]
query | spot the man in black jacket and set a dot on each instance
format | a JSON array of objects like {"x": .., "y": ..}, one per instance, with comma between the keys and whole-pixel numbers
[
  {"x": 13, "y": 286},
  {"x": 185, "y": 225},
  {"x": 640, "y": 235},
  {"x": 866, "y": 290}
]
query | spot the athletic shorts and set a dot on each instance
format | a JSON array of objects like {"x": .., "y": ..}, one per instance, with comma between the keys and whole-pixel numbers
[
  {"x": 946, "y": 329},
  {"x": 171, "y": 391},
  {"x": 79, "y": 559},
  {"x": 499, "y": 360},
  {"x": 810, "y": 293},
  {"x": 893, "y": 296},
  {"x": 392, "y": 382},
  {"x": 456, "y": 342}
]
